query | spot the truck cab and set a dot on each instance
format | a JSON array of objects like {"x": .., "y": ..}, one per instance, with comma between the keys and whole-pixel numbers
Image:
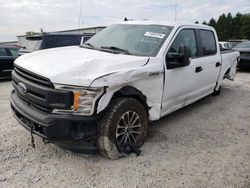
[{"x": 103, "y": 94}]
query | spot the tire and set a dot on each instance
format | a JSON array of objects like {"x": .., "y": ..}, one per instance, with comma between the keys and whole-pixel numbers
[{"x": 123, "y": 128}]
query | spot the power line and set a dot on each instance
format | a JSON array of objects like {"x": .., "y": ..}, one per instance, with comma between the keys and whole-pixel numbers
[
  {"x": 80, "y": 15},
  {"x": 175, "y": 10}
]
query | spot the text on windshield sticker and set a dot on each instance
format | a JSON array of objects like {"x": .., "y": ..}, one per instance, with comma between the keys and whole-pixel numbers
[{"x": 155, "y": 35}]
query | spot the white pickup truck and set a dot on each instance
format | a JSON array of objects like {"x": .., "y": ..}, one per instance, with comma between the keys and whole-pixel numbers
[{"x": 103, "y": 94}]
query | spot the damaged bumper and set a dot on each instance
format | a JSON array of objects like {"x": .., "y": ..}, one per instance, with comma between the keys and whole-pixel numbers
[{"x": 77, "y": 133}]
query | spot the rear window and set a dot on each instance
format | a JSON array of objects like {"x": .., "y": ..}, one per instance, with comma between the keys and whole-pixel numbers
[
  {"x": 59, "y": 41},
  {"x": 208, "y": 42}
]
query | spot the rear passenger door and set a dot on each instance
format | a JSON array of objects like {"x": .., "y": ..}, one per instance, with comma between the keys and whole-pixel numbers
[{"x": 208, "y": 63}]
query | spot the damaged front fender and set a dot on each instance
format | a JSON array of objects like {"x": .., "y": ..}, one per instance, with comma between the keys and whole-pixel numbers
[{"x": 147, "y": 79}]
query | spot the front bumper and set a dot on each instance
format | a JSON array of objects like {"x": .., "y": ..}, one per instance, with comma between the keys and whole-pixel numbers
[{"x": 71, "y": 131}]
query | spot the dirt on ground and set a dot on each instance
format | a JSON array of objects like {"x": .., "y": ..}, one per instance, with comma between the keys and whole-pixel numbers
[{"x": 206, "y": 144}]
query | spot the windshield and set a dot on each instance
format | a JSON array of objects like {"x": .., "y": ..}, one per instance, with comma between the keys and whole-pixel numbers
[
  {"x": 142, "y": 40},
  {"x": 243, "y": 45}
]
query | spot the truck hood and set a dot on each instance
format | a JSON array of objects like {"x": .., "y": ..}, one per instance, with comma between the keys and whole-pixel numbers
[{"x": 76, "y": 65}]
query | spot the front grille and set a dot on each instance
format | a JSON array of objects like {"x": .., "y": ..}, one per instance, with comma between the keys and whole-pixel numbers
[
  {"x": 41, "y": 81},
  {"x": 33, "y": 77},
  {"x": 37, "y": 107},
  {"x": 40, "y": 94}
]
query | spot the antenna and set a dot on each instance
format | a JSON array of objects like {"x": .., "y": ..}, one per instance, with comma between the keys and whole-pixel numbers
[
  {"x": 80, "y": 15},
  {"x": 175, "y": 11}
]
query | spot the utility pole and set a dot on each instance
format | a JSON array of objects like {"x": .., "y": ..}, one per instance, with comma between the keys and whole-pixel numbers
[
  {"x": 80, "y": 15},
  {"x": 175, "y": 11}
]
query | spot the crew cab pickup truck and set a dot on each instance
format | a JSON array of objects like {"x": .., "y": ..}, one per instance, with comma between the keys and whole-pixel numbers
[{"x": 103, "y": 93}]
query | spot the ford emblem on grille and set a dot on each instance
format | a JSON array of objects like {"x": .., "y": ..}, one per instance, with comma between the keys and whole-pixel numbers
[{"x": 22, "y": 88}]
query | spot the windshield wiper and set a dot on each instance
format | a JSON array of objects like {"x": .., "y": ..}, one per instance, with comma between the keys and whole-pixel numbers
[
  {"x": 116, "y": 48},
  {"x": 88, "y": 45}
]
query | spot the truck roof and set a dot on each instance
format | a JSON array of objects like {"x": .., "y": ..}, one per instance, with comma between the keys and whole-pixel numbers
[{"x": 173, "y": 24}]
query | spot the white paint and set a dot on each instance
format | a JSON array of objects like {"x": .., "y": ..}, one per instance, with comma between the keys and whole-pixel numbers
[{"x": 86, "y": 67}]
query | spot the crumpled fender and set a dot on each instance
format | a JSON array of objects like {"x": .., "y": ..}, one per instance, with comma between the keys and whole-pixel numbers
[{"x": 148, "y": 79}]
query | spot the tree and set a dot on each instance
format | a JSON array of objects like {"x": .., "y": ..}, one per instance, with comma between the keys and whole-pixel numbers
[
  {"x": 222, "y": 28},
  {"x": 237, "y": 23},
  {"x": 245, "y": 28},
  {"x": 213, "y": 23},
  {"x": 231, "y": 27},
  {"x": 204, "y": 23}
]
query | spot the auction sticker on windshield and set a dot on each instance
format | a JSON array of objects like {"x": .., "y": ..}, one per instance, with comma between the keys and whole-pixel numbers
[{"x": 155, "y": 35}]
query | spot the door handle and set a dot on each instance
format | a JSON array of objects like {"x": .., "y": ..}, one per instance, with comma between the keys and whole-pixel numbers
[
  {"x": 198, "y": 69},
  {"x": 217, "y": 64}
]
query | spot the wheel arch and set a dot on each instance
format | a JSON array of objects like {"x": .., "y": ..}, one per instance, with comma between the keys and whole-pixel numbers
[{"x": 131, "y": 92}]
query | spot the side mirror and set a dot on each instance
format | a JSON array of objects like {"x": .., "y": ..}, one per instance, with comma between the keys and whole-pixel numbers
[{"x": 180, "y": 59}]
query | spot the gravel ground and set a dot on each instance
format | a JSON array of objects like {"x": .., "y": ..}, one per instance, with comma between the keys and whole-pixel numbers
[{"x": 206, "y": 144}]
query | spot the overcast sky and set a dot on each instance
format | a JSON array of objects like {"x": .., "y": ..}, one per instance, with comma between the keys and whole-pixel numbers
[{"x": 19, "y": 16}]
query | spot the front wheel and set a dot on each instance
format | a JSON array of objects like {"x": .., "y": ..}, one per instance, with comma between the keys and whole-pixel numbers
[{"x": 123, "y": 128}]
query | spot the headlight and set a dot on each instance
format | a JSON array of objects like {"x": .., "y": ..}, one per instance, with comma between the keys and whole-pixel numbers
[{"x": 84, "y": 99}]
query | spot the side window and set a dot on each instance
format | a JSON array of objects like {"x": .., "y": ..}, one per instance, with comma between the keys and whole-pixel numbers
[
  {"x": 185, "y": 37},
  {"x": 208, "y": 42},
  {"x": 14, "y": 51},
  {"x": 3, "y": 52}
]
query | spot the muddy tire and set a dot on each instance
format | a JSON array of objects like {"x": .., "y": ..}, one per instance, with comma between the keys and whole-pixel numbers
[{"x": 123, "y": 128}]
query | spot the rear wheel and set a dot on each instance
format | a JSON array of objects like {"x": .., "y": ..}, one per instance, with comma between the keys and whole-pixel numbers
[{"x": 123, "y": 129}]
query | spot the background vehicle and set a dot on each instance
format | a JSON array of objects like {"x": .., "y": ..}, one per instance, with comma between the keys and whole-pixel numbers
[
  {"x": 103, "y": 94},
  {"x": 225, "y": 45},
  {"x": 46, "y": 41},
  {"x": 7, "y": 56},
  {"x": 244, "y": 49},
  {"x": 236, "y": 41}
]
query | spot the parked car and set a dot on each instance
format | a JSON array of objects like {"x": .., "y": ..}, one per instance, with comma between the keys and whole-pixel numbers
[
  {"x": 103, "y": 94},
  {"x": 225, "y": 45},
  {"x": 236, "y": 42},
  {"x": 7, "y": 56},
  {"x": 244, "y": 49},
  {"x": 46, "y": 41}
]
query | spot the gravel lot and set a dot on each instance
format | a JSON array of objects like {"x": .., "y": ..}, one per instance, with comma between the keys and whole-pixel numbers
[{"x": 206, "y": 144}]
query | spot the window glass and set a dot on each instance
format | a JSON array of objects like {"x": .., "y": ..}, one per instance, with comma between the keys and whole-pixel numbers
[
  {"x": 142, "y": 40},
  {"x": 54, "y": 41},
  {"x": 208, "y": 42},
  {"x": 3, "y": 52},
  {"x": 185, "y": 37},
  {"x": 14, "y": 51}
]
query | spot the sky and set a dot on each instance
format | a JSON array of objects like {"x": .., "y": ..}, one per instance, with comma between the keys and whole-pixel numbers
[{"x": 20, "y": 16}]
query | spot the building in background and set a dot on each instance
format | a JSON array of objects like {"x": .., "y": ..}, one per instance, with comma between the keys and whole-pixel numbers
[{"x": 11, "y": 43}]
